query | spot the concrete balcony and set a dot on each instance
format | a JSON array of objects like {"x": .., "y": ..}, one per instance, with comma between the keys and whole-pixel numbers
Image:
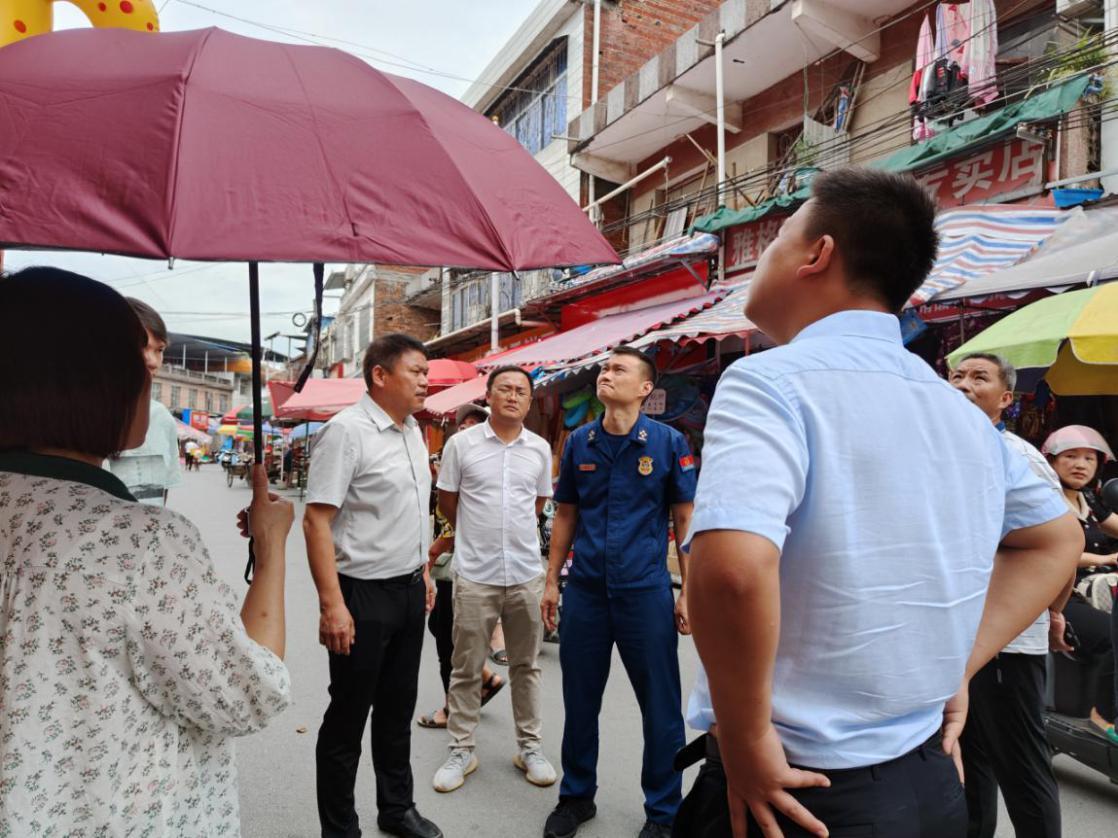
[{"x": 673, "y": 94}]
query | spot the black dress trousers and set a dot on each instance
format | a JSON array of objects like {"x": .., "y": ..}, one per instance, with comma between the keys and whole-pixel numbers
[
  {"x": 380, "y": 675},
  {"x": 1004, "y": 747}
]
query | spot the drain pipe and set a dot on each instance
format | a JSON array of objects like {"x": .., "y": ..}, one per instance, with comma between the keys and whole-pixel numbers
[{"x": 595, "y": 60}]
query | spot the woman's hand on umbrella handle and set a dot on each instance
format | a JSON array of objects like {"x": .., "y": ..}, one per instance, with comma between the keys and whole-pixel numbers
[{"x": 268, "y": 520}]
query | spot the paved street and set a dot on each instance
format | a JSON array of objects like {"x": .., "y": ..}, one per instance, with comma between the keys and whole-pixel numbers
[{"x": 277, "y": 766}]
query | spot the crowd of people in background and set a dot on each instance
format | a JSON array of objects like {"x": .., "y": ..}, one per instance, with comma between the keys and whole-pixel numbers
[{"x": 861, "y": 638}]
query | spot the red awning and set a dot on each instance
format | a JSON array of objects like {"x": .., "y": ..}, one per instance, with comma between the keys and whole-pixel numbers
[
  {"x": 449, "y": 400},
  {"x": 321, "y": 398},
  {"x": 603, "y": 334}
]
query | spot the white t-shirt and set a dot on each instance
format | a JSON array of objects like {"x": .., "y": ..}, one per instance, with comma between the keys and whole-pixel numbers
[
  {"x": 153, "y": 468},
  {"x": 1034, "y": 639},
  {"x": 495, "y": 537}
]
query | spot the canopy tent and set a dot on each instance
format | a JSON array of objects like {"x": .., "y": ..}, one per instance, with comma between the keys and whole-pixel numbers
[
  {"x": 980, "y": 239},
  {"x": 306, "y": 430},
  {"x": 444, "y": 403},
  {"x": 1083, "y": 249},
  {"x": 322, "y": 398},
  {"x": 602, "y": 334},
  {"x": 684, "y": 250},
  {"x": 722, "y": 320},
  {"x": 185, "y": 432}
]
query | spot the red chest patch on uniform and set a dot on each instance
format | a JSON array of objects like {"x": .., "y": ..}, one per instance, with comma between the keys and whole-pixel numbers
[{"x": 587, "y": 467}]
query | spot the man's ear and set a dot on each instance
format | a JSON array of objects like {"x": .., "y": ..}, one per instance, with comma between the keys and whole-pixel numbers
[
  {"x": 377, "y": 375},
  {"x": 821, "y": 252},
  {"x": 1006, "y": 400},
  {"x": 646, "y": 389}
]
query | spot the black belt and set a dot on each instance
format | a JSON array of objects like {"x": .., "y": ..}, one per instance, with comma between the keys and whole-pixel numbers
[
  {"x": 706, "y": 747},
  {"x": 402, "y": 579}
]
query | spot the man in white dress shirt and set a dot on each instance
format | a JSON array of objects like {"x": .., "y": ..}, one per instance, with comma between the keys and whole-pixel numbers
[
  {"x": 367, "y": 529},
  {"x": 493, "y": 483}
]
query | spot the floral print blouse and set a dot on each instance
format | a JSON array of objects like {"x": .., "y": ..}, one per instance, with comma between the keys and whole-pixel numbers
[{"x": 124, "y": 666}]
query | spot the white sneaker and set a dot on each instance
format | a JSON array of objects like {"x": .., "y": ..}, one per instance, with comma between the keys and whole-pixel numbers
[
  {"x": 452, "y": 775},
  {"x": 536, "y": 768}
]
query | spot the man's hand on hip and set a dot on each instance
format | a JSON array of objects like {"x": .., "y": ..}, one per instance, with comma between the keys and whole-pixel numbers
[{"x": 757, "y": 777}]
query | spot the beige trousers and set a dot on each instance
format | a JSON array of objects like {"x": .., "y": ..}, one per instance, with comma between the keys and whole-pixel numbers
[{"x": 477, "y": 608}]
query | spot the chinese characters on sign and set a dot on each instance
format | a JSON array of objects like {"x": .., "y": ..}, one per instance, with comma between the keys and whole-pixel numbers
[
  {"x": 745, "y": 244},
  {"x": 1016, "y": 166}
]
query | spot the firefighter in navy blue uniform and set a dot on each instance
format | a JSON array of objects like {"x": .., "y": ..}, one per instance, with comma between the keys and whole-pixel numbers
[{"x": 620, "y": 479}]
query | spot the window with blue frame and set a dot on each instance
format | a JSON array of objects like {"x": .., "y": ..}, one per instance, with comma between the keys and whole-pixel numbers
[{"x": 534, "y": 110}]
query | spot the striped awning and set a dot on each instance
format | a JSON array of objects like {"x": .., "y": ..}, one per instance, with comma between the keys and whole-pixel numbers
[
  {"x": 722, "y": 320},
  {"x": 600, "y": 335},
  {"x": 979, "y": 239}
]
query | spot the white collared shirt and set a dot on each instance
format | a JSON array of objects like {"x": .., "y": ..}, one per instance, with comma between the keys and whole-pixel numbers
[
  {"x": 495, "y": 538},
  {"x": 1034, "y": 639},
  {"x": 377, "y": 476}
]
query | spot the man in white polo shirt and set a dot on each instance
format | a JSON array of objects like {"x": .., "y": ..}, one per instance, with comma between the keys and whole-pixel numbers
[
  {"x": 367, "y": 529},
  {"x": 493, "y": 483}
]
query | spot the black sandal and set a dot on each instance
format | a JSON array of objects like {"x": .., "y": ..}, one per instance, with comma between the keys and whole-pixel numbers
[
  {"x": 429, "y": 722},
  {"x": 488, "y": 690}
]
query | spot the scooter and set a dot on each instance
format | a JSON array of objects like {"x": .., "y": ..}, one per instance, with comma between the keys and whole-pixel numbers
[{"x": 1070, "y": 685}]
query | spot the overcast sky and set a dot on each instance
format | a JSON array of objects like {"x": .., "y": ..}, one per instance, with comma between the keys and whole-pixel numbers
[{"x": 456, "y": 38}]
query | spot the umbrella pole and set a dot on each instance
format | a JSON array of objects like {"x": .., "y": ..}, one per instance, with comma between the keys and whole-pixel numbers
[{"x": 257, "y": 400}]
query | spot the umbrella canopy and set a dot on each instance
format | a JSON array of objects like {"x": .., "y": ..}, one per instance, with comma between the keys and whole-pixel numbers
[
  {"x": 307, "y": 429},
  {"x": 446, "y": 372},
  {"x": 322, "y": 398},
  {"x": 208, "y": 145},
  {"x": 244, "y": 414},
  {"x": 1070, "y": 339}
]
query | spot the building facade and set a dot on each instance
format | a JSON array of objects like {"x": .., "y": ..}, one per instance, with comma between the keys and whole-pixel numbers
[{"x": 180, "y": 389}]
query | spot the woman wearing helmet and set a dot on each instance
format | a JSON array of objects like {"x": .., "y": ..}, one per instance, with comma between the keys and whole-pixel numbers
[{"x": 1077, "y": 453}]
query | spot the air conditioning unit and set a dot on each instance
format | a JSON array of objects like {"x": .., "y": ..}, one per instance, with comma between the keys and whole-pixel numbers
[{"x": 1078, "y": 8}]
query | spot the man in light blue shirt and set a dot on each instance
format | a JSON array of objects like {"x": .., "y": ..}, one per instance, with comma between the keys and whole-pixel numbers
[{"x": 854, "y": 516}]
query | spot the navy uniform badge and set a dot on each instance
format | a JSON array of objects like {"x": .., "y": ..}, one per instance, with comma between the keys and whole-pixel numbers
[
  {"x": 644, "y": 465},
  {"x": 642, "y": 435}
]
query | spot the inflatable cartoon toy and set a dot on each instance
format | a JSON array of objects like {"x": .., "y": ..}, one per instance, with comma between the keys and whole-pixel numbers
[{"x": 23, "y": 18}]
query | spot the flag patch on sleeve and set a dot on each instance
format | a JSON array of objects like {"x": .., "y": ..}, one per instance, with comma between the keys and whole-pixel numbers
[{"x": 687, "y": 463}]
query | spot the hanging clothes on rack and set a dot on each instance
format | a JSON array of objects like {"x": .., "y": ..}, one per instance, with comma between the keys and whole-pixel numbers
[
  {"x": 925, "y": 57},
  {"x": 981, "y": 51}
]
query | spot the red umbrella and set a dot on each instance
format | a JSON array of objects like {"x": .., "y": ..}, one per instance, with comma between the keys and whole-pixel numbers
[
  {"x": 211, "y": 146},
  {"x": 208, "y": 145},
  {"x": 446, "y": 372}
]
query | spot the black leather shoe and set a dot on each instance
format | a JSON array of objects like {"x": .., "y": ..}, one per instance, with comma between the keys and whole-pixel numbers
[
  {"x": 565, "y": 819},
  {"x": 651, "y": 829},
  {"x": 411, "y": 825}
]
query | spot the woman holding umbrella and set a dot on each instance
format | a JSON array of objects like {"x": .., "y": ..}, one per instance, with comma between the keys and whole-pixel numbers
[
  {"x": 1077, "y": 453},
  {"x": 126, "y": 665}
]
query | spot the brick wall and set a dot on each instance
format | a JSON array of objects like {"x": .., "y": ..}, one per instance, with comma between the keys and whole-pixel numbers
[
  {"x": 392, "y": 314},
  {"x": 633, "y": 31}
]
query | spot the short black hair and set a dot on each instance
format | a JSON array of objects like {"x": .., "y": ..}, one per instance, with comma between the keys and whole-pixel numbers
[
  {"x": 509, "y": 368},
  {"x": 385, "y": 351},
  {"x": 646, "y": 363},
  {"x": 883, "y": 225},
  {"x": 81, "y": 391},
  {"x": 150, "y": 318}
]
